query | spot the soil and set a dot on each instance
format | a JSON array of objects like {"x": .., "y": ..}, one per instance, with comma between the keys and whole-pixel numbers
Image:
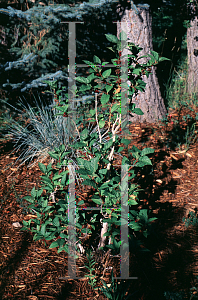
[{"x": 29, "y": 270}]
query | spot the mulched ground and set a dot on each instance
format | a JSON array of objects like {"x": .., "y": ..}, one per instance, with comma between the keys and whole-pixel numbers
[{"x": 29, "y": 270}]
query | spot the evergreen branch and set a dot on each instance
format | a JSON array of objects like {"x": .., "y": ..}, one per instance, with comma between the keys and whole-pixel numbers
[
  {"x": 72, "y": 12},
  {"x": 36, "y": 82},
  {"x": 49, "y": 14},
  {"x": 45, "y": 15},
  {"x": 134, "y": 7},
  {"x": 19, "y": 63}
]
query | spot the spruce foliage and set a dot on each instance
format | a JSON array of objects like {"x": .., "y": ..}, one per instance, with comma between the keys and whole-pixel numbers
[{"x": 36, "y": 40}]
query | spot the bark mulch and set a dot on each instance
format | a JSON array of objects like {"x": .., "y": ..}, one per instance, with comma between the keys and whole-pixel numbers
[{"x": 29, "y": 270}]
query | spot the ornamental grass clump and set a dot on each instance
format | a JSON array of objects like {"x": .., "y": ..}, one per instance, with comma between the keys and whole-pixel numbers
[{"x": 42, "y": 133}]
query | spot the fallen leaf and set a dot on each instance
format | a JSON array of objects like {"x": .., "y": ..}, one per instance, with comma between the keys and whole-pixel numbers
[
  {"x": 117, "y": 90},
  {"x": 16, "y": 225},
  {"x": 159, "y": 180}
]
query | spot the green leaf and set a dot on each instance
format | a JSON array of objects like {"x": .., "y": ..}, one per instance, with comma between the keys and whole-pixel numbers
[
  {"x": 122, "y": 36},
  {"x": 101, "y": 123},
  {"x": 88, "y": 62},
  {"x": 141, "y": 56},
  {"x": 85, "y": 87},
  {"x": 96, "y": 60},
  {"x": 145, "y": 233},
  {"x": 137, "y": 71},
  {"x": 94, "y": 164},
  {"x": 163, "y": 58},
  {"x": 54, "y": 245},
  {"x": 60, "y": 249},
  {"x": 107, "y": 234},
  {"x": 56, "y": 222},
  {"x": 138, "y": 111},
  {"x": 108, "y": 144},
  {"x": 84, "y": 164},
  {"x": 145, "y": 160},
  {"x": 152, "y": 219},
  {"x": 43, "y": 229},
  {"x": 63, "y": 180},
  {"x": 116, "y": 244},
  {"x": 48, "y": 208},
  {"x": 29, "y": 199},
  {"x": 104, "y": 186},
  {"x": 125, "y": 161},
  {"x": 39, "y": 193},
  {"x": 46, "y": 179},
  {"x": 42, "y": 167},
  {"x": 37, "y": 237},
  {"x": 84, "y": 134},
  {"x": 147, "y": 151},
  {"x": 53, "y": 155},
  {"x": 105, "y": 98},
  {"x": 106, "y": 73},
  {"x": 156, "y": 55},
  {"x": 84, "y": 172},
  {"x": 92, "y": 112},
  {"x": 49, "y": 188},
  {"x": 62, "y": 148},
  {"x": 143, "y": 213},
  {"x": 81, "y": 202},
  {"x": 112, "y": 38},
  {"x": 49, "y": 168},
  {"x": 105, "y": 63},
  {"x": 115, "y": 107},
  {"x": 125, "y": 142},
  {"x": 91, "y": 77},
  {"x": 135, "y": 149},
  {"x": 135, "y": 226},
  {"x": 105, "y": 160},
  {"x": 79, "y": 145},
  {"x": 63, "y": 235},
  {"x": 132, "y": 202},
  {"x": 103, "y": 171},
  {"x": 33, "y": 192},
  {"x": 89, "y": 182},
  {"x": 108, "y": 88},
  {"x": 120, "y": 149},
  {"x": 82, "y": 79},
  {"x": 45, "y": 203},
  {"x": 56, "y": 177},
  {"x": 111, "y": 247},
  {"x": 110, "y": 48},
  {"x": 96, "y": 199}
]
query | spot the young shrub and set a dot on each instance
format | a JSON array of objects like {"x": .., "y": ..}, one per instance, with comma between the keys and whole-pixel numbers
[{"x": 57, "y": 218}]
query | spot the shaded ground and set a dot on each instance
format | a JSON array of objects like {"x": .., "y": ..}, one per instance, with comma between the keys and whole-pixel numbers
[{"x": 29, "y": 270}]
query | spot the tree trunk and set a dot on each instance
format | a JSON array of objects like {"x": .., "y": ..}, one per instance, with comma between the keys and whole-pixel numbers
[
  {"x": 192, "y": 44},
  {"x": 138, "y": 28}
]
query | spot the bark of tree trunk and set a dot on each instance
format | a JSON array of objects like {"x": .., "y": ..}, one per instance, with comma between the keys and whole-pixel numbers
[
  {"x": 138, "y": 28},
  {"x": 192, "y": 45}
]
